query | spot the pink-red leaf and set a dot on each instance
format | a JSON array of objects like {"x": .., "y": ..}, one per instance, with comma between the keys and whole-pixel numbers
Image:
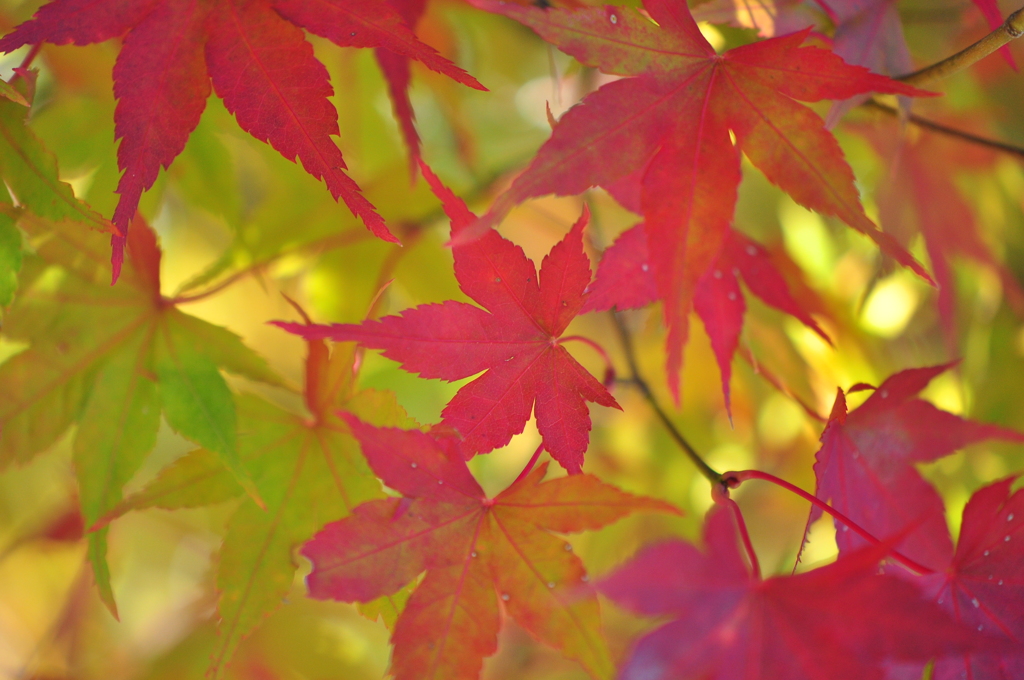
[
  {"x": 981, "y": 587},
  {"x": 386, "y": 26},
  {"x": 865, "y": 466},
  {"x": 840, "y": 622},
  {"x": 260, "y": 64},
  {"x": 397, "y": 73},
  {"x": 161, "y": 85},
  {"x": 81, "y": 22},
  {"x": 625, "y": 281},
  {"x": 514, "y": 339},
  {"x": 919, "y": 196},
  {"x": 674, "y": 118},
  {"x": 264, "y": 70},
  {"x": 719, "y": 303}
]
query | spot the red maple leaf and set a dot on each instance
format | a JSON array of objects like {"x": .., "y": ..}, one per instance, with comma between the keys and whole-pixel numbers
[
  {"x": 994, "y": 18},
  {"x": 920, "y": 196},
  {"x": 395, "y": 68},
  {"x": 865, "y": 466},
  {"x": 259, "y": 61},
  {"x": 672, "y": 122},
  {"x": 515, "y": 339},
  {"x": 982, "y": 586},
  {"x": 480, "y": 555},
  {"x": 839, "y": 622},
  {"x": 625, "y": 281}
]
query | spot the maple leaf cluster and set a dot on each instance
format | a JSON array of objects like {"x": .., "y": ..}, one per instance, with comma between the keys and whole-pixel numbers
[
  {"x": 260, "y": 64},
  {"x": 386, "y": 510}
]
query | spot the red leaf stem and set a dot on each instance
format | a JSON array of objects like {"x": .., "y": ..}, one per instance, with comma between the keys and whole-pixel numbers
[
  {"x": 609, "y": 367},
  {"x": 722, "y": 499},
  {"x": 529, "y": 464},
  {"x": 734, "y": 479},
  {"x": 27, "y": 61}
]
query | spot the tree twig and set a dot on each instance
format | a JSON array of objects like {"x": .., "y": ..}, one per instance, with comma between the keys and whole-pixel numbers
[
  {"x": 645, "y": 389},
  {"x": 1011, "y": 29},
  {"x": 932, "y": 126}
]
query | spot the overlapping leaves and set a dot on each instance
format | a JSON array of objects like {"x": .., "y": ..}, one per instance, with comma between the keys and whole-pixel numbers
[
  {"x": 480, "y": 555},
  {"x": 259, "y": 62},
  {"x": 112, "y": 360},
  {"x": 30, "y": 174},
  {"x": 515, "y": 339},
  {"x": 625, "y": 281},
  {"x": 668, "y": 127},
  {"x": 981, "y": 586},
  {"x": 308, "y": 471},
  {"x": 843, "y": 621},
  {"x": 865, "y": 466}
]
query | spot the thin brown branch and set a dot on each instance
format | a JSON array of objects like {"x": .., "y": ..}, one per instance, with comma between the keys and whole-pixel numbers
[
  {"x": 962, "y": 135},
  {"x": 645, "y": 389},
  {"x": 1011, "y": 29}
]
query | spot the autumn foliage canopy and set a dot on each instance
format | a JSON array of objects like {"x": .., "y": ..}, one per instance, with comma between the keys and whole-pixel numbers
[{"x": 403, "y": 436}]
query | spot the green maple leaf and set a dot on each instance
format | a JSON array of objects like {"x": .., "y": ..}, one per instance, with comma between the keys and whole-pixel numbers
[
  {"x": 309, "y": 471},
  {"x": 111, "y": 360},
  {"x": 10, "y": 259},
  {"x": 29, "y": 172}
]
